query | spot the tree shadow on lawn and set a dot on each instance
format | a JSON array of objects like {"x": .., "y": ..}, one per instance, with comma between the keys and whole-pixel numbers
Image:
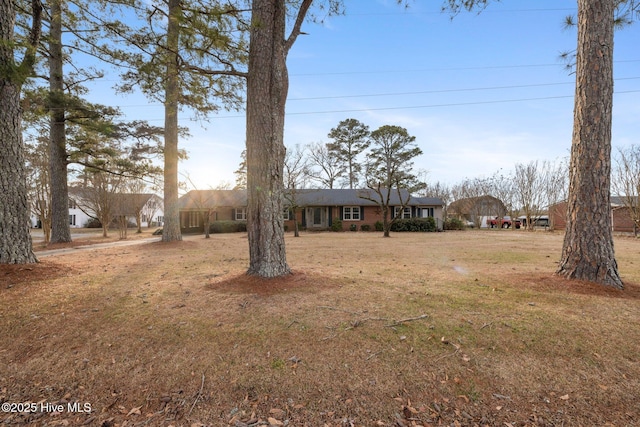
[
  {"x": 544, "y": 282},
  {"x": 297, "y": 281}
]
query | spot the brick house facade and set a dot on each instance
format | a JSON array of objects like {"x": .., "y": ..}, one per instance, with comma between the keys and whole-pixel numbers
[
  {"x": 620, "y": 216},
  {"x": 314, "y": 209}
]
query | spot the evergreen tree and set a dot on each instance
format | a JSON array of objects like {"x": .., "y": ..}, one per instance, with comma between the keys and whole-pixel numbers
[
  {"x": 587, "y": 251},
  {"x": 389, "y": 171},
  {"x": 15, "y": 240},
  {"x": 190, "y": 55},
  {"x": 350, "y": 139}
]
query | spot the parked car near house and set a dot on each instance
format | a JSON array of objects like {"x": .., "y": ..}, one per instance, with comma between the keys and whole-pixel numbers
[{"x": 504, "y": 222}]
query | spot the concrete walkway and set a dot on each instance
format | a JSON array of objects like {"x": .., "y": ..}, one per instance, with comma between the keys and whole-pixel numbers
[{"x": 118, "y": 243}]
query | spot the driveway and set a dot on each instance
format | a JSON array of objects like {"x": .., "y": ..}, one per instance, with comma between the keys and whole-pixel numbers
[{"x": 118, "y": 243}]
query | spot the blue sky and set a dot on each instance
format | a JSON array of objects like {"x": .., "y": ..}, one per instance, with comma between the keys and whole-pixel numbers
[{"x": 480, "y": 92}]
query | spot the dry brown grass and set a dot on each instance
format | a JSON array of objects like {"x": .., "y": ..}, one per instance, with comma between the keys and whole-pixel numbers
[{"x": 175, "y": 334}]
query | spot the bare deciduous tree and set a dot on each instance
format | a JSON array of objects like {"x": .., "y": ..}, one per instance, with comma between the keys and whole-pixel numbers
[
  {"x": 39, "y": 184},
  {"x": 441, "y": 191},
  {"x": 504, "y": 188},
  {"x": 324, "y": 167},
  {"x": 473, "y": 196},
  {"x": 530, "y": 191},
  {"x": 295, "y": 177}
]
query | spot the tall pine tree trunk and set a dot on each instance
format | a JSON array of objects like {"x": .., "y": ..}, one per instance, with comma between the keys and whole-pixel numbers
[
  {"x": 60, "y": 229},
  {"x": 15, "y": 240},
  {"x": 267, "y": 86},
  {"x": 587, "y": 253},
  {"x": 171, "y": 228},
  {"x": 15, "y": 244}
]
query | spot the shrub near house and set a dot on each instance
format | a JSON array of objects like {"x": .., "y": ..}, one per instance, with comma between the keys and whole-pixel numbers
[
  {"x": 415, "y": 225},
  {"x": 228, "y": 227}
]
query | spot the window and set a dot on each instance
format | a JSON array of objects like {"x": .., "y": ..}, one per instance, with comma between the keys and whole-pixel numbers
[
  {"x": 160, "y": 220},
  {"x": 427, "y": 213},
  {"x": 406, "y": 212},
  {"x": 193, "y": 219},
  {"x": 189, "y": 219},
  {"x": 241, "y": 214},
  {"x": 72, "y": 220},
  {"x": 286, "y": 215},
  {"x": 351, "y": 213}
]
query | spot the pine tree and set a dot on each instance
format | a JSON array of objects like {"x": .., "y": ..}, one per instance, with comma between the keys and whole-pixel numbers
[
  {"x": 587, "y": 252},
  {"x": 350, "y": 138},
  {"x": 15, "y": 240}
]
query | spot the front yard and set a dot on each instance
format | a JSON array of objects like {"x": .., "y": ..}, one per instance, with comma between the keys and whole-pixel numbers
[{"x": 454, "y": 328}]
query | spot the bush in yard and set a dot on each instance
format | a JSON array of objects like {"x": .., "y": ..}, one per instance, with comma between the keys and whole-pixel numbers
[
  {"x": 93, "y": 223},
  {"x": 378, "y": 226},
  {"x": 365, "y": 227},
  {"x": 453, "y": 224},
  {"x": 414, "y": 225},
  {"x": 353, "y": 227},
  {"x": 336, "y": 225},
  {"x": 228, "y": 226}
]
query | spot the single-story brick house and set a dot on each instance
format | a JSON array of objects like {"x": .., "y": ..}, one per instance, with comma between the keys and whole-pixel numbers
[
  {"x": 318, "y": 208},
  {"x": 223, "y": 205},
  {"x": 620, "y": 216},
  {"x": 315, "y": 208}
]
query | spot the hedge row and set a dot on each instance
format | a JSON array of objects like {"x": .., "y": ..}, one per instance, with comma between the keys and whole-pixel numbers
[
  {"x": 415, "y": 225},
  {"x": 228, "y": 226},
  {"x": 401, "y": 225}
]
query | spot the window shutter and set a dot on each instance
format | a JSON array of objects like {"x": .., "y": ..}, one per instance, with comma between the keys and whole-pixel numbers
[
  {"x": 233, "y": 214},
  {"x": 361, "y": 213},
  {"x": 342, "y": 212}
]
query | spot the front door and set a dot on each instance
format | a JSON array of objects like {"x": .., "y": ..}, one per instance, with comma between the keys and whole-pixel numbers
[{"x": 317, "y": 217}]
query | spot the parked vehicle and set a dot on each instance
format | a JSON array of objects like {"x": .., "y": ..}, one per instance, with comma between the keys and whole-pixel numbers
[{"x": 504, "y": 222}]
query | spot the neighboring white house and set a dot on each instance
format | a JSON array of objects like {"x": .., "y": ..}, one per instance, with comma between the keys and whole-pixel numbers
[
  {"x": 77, "y": 217},
  {"x": 149, "y": 206}
]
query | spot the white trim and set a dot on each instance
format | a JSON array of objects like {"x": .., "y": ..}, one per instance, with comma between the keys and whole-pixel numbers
[
  {"x": 241, "y": 214},
  {"x": 406, "y": 212},
  {"x": 353, "y": 213}
]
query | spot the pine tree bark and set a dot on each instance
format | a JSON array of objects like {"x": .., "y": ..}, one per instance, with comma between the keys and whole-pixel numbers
[
  {"x": 60, "y": 229},
  {"x": 15, "y": 244},
  {"x": 587, "y": 252},
  {"x": 267, "y": 87},
  {"x": 171, "y": 229},
  {"x": 15, "y": 240}
]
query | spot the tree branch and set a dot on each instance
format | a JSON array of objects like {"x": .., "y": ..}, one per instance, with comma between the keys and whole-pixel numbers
[{"x": 296, "y": 30}]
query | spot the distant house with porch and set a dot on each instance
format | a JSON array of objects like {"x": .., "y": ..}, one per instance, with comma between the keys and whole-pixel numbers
[{"x": 315, "y": 209}]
